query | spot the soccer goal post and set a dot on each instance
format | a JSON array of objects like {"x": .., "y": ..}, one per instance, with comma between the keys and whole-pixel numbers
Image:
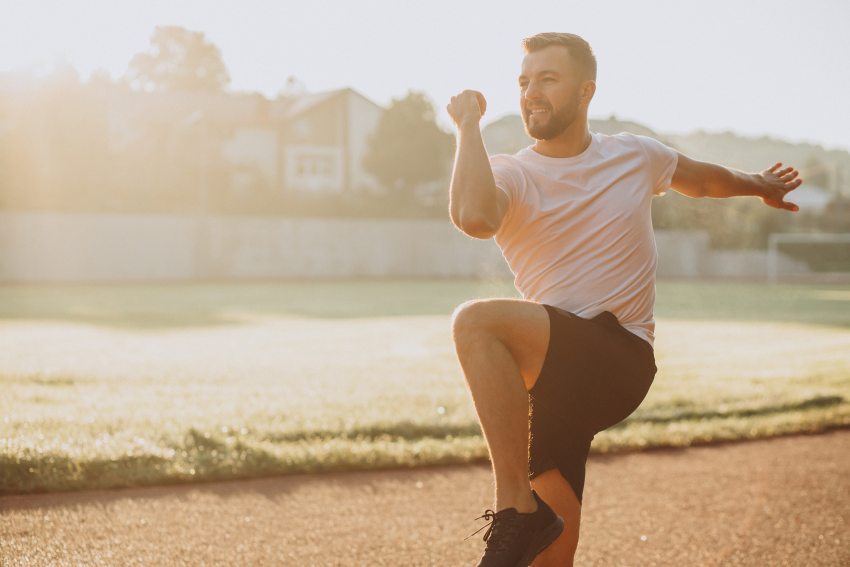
[{"x": 818, "y": 257}]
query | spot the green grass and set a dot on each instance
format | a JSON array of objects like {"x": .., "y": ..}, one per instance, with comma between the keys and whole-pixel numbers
[{"x": 124, "y": 385}]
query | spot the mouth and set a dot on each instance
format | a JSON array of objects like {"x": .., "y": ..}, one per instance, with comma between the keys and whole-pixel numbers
[{"x": 539, "y": 112}]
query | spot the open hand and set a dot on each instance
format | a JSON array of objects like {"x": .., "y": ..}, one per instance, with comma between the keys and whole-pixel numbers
[
  {"x": 467, "y": 106},
  {"x": 776, "y": 183}
]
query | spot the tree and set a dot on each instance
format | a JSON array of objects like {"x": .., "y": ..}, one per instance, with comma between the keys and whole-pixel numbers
[
  {"x": 408, "y": 148},
  {"x": 54, "y": 147},
  {"x": 179, "y": 60},
  {"x": 817, "y": 173}
]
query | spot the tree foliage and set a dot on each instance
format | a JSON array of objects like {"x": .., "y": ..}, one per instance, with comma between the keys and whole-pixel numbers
[
  {"x": 408, "y": 148},
  {"x": 179, "y": 60},
  {"x": 816, "y": 172}
]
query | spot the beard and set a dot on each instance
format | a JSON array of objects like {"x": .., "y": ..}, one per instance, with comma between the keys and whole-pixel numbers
[{"x": 557, "y": 120}]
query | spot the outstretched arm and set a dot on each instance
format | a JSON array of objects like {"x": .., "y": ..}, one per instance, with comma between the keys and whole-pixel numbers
[
  {"x": 476, "y": 205},
  {"x": 701, "y": 179}
]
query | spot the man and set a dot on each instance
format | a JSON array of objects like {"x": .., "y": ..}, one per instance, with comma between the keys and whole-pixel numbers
[{"x": 571, "y": 215}]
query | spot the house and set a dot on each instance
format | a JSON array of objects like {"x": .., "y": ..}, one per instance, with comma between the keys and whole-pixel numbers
[
  {"x": 323, "y": 139},
  {"x": 308, "y": 143}
]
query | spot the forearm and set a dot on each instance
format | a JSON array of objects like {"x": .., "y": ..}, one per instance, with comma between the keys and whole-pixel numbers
[
  {"x": 472, "y": 196},
  {"x": 702, "y": 179},
  {"x": 720, "y": 182}
]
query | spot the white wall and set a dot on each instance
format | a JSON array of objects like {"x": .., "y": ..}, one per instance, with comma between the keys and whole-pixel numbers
[
  {"x": 64, "y": 247},
  {"x": 110, "y": 247},
  {"x": 95, "y": 247},
  {"x": 681, "y": 253},
  {"x": 726, "y": 263}
]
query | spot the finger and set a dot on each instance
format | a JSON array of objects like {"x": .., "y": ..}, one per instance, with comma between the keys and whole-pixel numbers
[
  {"x": 789, "y": 176},
  {"x": 479, "y": 99},
  {"x": 482, "y": 103},
  {"x": 776, "y": 166},
  {"x": 785, "y": 171},
  {"x": 791, "y": 185},
  {"x": 790, "y": 206}
]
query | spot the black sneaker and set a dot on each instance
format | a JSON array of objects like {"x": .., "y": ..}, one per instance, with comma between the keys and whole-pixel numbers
[{"x": 515, "y": 539}]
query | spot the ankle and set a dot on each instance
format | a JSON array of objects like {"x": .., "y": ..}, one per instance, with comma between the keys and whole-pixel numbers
[{"x": 524, "y": 502}]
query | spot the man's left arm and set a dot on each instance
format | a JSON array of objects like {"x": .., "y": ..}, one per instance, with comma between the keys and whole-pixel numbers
[{"x": 702, "y": 179}]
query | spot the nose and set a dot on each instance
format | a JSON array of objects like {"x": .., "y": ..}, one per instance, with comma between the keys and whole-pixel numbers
[{"x": 532, "y": 91}]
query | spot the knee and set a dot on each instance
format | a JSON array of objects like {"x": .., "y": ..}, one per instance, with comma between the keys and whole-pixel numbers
[
  {"x": 469, "y": 319},
  {"x": 470, "y": 327}
]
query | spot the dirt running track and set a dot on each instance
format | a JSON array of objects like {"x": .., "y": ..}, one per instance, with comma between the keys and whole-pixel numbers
[{"x": 784, "y": 501}]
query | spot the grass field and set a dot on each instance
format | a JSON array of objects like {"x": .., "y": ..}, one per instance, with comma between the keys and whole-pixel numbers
[{"x": 123, "y": 385}]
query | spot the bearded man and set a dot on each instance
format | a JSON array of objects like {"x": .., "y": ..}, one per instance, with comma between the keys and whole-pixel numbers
[{"x": 575, "y": 356}]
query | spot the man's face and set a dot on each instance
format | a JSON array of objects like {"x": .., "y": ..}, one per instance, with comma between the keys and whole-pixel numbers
[{"x": 549, "y": 92}]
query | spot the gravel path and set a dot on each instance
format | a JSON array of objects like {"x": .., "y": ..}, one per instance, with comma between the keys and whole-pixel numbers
[{"x": 784, "y": 501}]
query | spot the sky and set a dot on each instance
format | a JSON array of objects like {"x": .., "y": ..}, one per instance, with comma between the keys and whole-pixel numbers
[{"x": 755, "y": 67}]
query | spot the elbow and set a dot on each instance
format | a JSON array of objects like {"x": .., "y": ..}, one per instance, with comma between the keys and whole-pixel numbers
[{"x": 477, "y": 226}]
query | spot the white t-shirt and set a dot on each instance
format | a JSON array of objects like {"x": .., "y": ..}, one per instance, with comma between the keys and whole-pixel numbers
[{"x": 578, "y": 232}]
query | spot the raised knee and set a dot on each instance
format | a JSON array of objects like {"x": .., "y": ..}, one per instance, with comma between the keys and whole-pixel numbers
[
  {"x": 468, "y": 317},
  {"x": 470, "y": 326}
]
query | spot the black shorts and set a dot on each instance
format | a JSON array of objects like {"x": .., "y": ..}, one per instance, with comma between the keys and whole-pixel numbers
[{"x": 595, "y": 374}]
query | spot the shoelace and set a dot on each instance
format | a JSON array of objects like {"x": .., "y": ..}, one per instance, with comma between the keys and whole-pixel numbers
[
  {"x": 506, "y": 531},
  {"x": 488, "y": 515}
]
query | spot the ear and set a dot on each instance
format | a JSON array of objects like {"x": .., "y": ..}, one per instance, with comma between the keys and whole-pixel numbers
[{"x": 588, "y": 89}]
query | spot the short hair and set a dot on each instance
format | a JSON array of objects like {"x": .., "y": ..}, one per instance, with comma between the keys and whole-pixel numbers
[{"x": 577, "y": 47}]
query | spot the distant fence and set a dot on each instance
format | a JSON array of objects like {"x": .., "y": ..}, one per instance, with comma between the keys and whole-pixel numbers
[
  {"x": 80, "y": 247},
  {"x": 112, "y": 247}
]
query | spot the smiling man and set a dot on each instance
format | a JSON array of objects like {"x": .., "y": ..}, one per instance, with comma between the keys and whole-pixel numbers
[{"x": 575, "y": 356}]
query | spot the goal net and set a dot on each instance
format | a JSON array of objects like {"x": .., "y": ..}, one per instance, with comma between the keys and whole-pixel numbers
[{"x": 816, "y": 258}]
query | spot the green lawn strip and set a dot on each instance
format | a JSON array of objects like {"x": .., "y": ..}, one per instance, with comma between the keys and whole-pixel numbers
[
  {"x": 153, "y": 307},
  {"x": 223, "y": 453},
  {"x": 690, "y": 432},
  {"x": 152, "y": 393}
]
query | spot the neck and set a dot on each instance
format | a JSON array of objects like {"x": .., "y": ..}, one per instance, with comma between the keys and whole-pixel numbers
[{"x": 571, "y": 142}]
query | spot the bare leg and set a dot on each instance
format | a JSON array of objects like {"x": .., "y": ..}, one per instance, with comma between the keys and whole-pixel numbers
[
  {"x": 554, "y": 489},
  {"x": 501, "y": 344}
]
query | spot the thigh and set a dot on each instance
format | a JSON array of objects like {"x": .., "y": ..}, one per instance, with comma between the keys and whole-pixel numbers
[
  {"x": 522, "y": 326},
  {"x": 595, "y": 372},
  {"x": 594, "y": 375}
]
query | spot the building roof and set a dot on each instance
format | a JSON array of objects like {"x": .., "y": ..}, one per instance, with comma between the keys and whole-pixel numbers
[{"x": 288, "y": 107}]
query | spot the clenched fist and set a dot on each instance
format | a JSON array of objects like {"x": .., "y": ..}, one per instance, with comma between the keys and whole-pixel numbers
[{"x": 468, "y": 106}]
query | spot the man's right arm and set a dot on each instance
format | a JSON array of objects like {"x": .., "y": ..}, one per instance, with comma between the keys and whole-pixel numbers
[{"x": 476, "y": 205}]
